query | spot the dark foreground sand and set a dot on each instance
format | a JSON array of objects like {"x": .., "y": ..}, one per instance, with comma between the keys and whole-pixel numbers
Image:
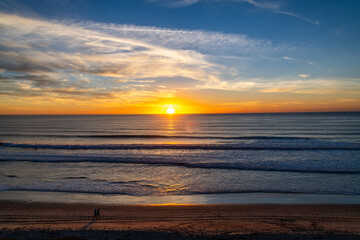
[{"x": 259, "y": 221}]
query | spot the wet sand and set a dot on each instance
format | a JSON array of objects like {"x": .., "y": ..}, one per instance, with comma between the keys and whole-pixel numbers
[{"x": 19, "y": 220}]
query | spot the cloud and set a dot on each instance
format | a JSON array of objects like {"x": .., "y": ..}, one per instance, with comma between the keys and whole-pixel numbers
[
  {"x": 275, "y": 7},
  {"x": 78, "y": 62},
  {"x": 36, "y": 80},
  {"x": 303, "y": 75},
  {"x": 294, "y": 60},
  {"x": 176, "y": 3},
  {"x": 308, "y": 86},
  {"x": 347, "y": 100},
  {"x": 267, "y": 5},
  {"x": 311, "y": 86},
  {"x": 67, "y": 58},
  {"x": 200, "y": 41}
]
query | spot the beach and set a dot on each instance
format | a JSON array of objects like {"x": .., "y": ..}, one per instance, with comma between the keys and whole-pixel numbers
[{"x": 26, "y": 220}]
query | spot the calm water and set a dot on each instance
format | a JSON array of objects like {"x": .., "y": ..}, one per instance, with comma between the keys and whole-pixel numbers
[{"x": 186, "y": 159}]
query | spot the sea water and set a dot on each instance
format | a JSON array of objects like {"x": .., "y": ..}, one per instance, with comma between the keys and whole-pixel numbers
[{"x": 208, "y": 158}]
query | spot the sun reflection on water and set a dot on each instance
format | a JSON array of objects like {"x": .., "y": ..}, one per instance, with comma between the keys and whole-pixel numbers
[
  {"x": 171, "y": 189},
  {"x": 170, "y": 125}
]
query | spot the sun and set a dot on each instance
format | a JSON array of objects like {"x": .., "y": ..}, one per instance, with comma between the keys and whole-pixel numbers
[{"x": 170, "y": 110}]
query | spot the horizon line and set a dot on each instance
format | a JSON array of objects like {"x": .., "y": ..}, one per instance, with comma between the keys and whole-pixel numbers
[{"x": 94, "y": 114}]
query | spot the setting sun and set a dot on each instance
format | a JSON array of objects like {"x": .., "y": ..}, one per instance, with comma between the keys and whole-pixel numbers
[{"x": 170, "y": 110}]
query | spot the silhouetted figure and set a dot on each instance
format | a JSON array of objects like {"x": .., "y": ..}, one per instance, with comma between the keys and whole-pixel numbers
[
  {"x": 95, "y": 214},
  {"x": 98, "y": 213}
]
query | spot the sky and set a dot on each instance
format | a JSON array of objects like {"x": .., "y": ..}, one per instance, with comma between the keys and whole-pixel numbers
[{"x": 197, "y": 56}]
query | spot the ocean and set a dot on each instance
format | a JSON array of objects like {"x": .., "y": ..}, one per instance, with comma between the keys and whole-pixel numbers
[{"x": 205, "y": 158}]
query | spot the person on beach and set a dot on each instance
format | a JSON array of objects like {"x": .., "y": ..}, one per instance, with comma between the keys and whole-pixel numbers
[
  {"x": 98, "y": 213},
  {"x": 95, "y": 214}
]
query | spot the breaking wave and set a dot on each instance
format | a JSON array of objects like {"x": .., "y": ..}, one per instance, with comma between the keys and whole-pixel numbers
[{"x": 318, "y": 145}]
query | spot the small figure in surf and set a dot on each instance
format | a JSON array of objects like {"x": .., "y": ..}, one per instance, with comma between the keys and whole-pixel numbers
[
  {"x": 98, "y": 213},
  {"x": 95, "y": 214}
]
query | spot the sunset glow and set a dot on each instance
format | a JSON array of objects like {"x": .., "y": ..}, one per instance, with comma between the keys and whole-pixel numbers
[{"x": 101, "y": 64}]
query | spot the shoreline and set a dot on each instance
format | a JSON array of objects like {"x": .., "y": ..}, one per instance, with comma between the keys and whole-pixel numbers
[
  {"x": 25, "y": 220},
  {"x": 225, "y": 198}
]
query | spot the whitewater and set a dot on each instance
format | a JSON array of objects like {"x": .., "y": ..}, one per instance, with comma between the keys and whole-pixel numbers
[{"x": 204, "y": 158}]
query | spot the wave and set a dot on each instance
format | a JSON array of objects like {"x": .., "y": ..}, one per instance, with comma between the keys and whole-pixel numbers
[
  {"x": 75, "y": 178},
  {"x": 155, "y": 191},
  {"x": 243, "y": 166},
  {"x": 301, "y": 146},
  {"x": 160, "y": 136},
  {"x": 152, "y": 136}
]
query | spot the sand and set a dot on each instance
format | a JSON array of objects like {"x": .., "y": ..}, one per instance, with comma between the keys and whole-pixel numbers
[{"x": 20, "y": 220}]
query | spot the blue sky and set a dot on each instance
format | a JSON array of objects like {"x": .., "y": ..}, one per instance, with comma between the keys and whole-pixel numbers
[{"x": 128, "y": 53}]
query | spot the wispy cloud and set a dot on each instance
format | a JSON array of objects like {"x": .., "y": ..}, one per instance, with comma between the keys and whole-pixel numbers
[
  {"x": 276, "y": 7},
  {"x": 317, "y": 86},
  {"x": 309, "y": 86},
  {"x": 176, "y": 3},
  {"x": 294, "y": 60},
  {"x": 272, "y": 6},
  {"x": 67, "y": 58},
  {"x": 201, "y": 41}
]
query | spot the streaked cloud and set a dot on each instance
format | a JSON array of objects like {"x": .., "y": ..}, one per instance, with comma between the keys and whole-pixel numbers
[
  {"x": 308, "y": 86},
  {"x": 63, "y": 58},
  {"x": 294, "y": 60},
  {"x": 273, "y": 6},
  {"x": 312, "y": 86},
  {"x": 276, "y": 7},
  {"x": 201, "y": 41},
  {"x": 176, "y": 3}
]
